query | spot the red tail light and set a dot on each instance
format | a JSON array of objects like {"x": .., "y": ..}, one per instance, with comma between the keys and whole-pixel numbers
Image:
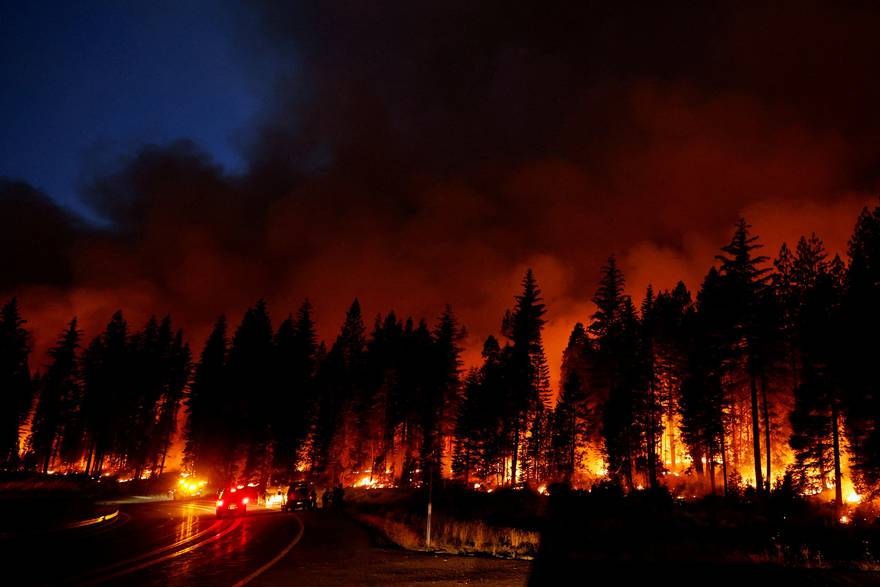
[
  {"x": 219, "y": 503},
  {"x": 245, "y": 500}
]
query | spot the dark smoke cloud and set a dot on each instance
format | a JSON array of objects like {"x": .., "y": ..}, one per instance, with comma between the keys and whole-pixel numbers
[
  {"x": 415, "y": 157},
  {"x": 35, "y": 239}
]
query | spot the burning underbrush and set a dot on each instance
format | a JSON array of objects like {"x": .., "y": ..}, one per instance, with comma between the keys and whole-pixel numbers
[{"x": 80, "y": 486}]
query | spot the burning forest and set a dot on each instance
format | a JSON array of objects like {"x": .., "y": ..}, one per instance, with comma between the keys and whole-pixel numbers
[
  {"x": 579, "y": 283},
  {"x": 756, "y": 383}
]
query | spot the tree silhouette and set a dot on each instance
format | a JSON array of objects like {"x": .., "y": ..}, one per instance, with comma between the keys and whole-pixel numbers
[
  {"x": 703, "y": 400},
  {"x": 342, "y": 378},
  {"x": 470, "y": 429},
  {"x": 249, "y": 369},
  {"x": 59, "y": 397},
  {"x": 108, "y": 404},
  {"x": 667, "y": 333},
  {"x": 747, "y": 285},
  {"x": 622, "y": 418},
  {"x": 16, "y": 391},
  {"x": 176, "y": 370},
  {"x": 621, "y": 377},
  {"x": 756, "y": 356},
  {"x": 860, "y": 321},
  {"x": 440, "y": 404},
  {"x": 528, "y": 378},
  {"x": 295, "y": 366},
  {"x": 208, "y": 439},
  {"x": 572, "y": 424}
]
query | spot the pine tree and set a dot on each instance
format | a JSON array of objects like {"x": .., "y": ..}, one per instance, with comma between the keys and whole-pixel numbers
[
  {"x": 810, "y": 418},
  {"x": 529, "y": 375},
  {"x": 209, "y": 403},
  {"x": 148, "y": 350},
  {"x": 296, "y": 350},
  {"x": 108, "y": 398},
  {"x": 572, "y": 424},
  {"x": 16, "y": 391},
  {"x": 469, "y": 428},
  {"x": 669, "y": 334},
  {"x": 650, "y": 412},
  {"x": 389, "y": 406},
  {"x": 420, "y": 381},
  {"x": 619, "y": 374},
  {"x": 623, "y": 427},
  {"x": 746, "y": 282},
  {"x": 342, "y": 377},
  {"x": 703, "y": 401},
  {"x": 788, "y": 300},
  {"x": 176, "y": 369},
  {"x": 441, "y": 403},
  {"x": 860, "y": 323},
  {"x": 59, "y": 397},
  {"x": 250, "y": 377}
]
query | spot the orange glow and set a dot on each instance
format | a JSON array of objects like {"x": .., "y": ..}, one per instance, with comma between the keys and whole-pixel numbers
[
  {"x": 852, "y": 497},
  {"x": 364, "y": 482}
]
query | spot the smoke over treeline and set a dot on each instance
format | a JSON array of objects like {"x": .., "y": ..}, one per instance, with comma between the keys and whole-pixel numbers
[{"x": 419, "y": 157}]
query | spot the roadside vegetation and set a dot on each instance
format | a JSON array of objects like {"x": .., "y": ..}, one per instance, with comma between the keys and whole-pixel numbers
[
  {"x": 503, "y": 524},
  {"x": 642, "y": 527}
]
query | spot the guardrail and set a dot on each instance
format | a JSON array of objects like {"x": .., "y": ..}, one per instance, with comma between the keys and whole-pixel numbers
[{"x": 91, "y": 521}]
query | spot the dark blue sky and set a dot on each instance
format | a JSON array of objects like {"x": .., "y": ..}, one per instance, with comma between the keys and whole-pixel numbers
[{"x": 85, "y": 82}]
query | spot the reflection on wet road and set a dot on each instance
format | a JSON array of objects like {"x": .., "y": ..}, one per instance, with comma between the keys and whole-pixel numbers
[
  {"x": 160, "y": 543},
  {"x": 183, "y": 543}
]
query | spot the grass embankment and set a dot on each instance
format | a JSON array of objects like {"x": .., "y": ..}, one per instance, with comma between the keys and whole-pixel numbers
[
  {"x": 463, "y": 522},
  {"x": 609, "y": 527}
]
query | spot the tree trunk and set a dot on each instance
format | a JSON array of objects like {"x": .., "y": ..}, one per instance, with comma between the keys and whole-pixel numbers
[
  {"x": 569, "y": 469},
  {"x": 835, "y": 436},
  {"x": 513, "y": 459},
  {"x": 766, "y": 428},
  {"x": 89, "y": 459},
  {"x": 629, "y": 462},
  {"x": 710, "y": 461},
  {"x": 652, "y": 456},
  {"x": 723, "y": 460},
  {"x": 735, "y": 415},
  {"x": 165, "y": 448},
  {"x": 99, "y": 462},
  {"x": 670, "y": 419},
  {"x": 756, "y": 434}
]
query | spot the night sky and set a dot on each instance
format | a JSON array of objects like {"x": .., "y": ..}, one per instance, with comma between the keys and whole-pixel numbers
[
  {"x": 192, "y": 157},
  {"x": 92, "y": 81}
]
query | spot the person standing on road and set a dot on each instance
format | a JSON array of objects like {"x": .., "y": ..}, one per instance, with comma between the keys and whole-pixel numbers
[{"x": 338, "y": 496}]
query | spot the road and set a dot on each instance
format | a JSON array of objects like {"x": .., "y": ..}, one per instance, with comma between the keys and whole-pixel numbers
[{"x": 182, "y": 543}]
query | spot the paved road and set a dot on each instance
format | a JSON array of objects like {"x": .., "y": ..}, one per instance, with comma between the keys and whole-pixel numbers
[{"x": 181, "y": 543}]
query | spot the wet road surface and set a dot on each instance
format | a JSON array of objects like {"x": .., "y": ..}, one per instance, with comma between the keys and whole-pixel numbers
[{"x": 182, "y": 543}]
